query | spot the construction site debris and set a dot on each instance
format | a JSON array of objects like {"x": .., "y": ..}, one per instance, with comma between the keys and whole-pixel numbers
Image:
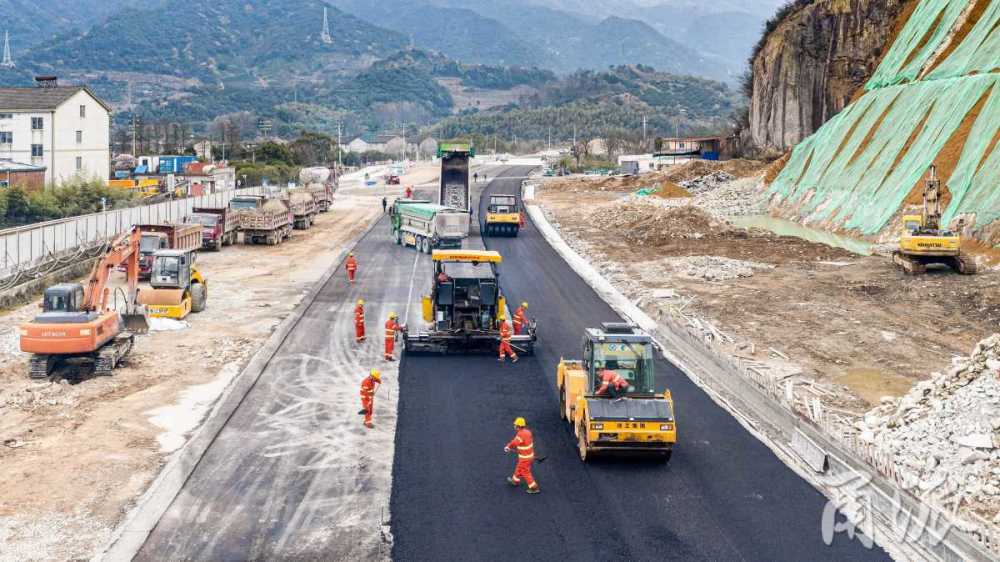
[
  {"x": 643, "y": 222},
  {"x": 713, "y": 268},
  {"x": 708, "y": 182}
]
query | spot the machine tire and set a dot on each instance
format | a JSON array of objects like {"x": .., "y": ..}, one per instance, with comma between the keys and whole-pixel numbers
[
  {"x": 199, "y": 297},
  {"x": 398, "y": 236},
  {"x": 581, "y": 444},
  {"x": 426, "y": 248},
  {"x": 562, "y": 404}
]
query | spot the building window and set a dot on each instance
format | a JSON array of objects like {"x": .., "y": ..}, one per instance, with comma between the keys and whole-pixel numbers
[
  {"x": 83, "y": 111},
  {"x": 37, "y": 124},
  {"x": 36, "y": 150},
  {"x": 79, "y": 163},
  {"x": 79, "y": 137},
  {"x": 4, "y": 184},
  {"x": 6, "y": 137},
  {"x": 6, "y": 116}
]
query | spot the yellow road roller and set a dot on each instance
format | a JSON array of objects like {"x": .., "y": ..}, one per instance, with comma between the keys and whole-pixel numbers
[{"x": 178, "y": 288}]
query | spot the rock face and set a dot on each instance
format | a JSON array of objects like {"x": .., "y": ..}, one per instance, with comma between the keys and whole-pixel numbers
[{"x": 813, "y": 62}]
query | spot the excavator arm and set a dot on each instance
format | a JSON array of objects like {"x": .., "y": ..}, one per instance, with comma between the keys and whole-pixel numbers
[{"x": 124, "y": 250}]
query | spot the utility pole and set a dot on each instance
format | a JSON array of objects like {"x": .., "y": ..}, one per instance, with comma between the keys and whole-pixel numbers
[
  {"x": 134, "y": 127},
  {"x": 8, "y": 60},
  {"x": 340, "y": 147},
  {"x": 644, "y": 133},
  {"x": 550, "y": 138}
]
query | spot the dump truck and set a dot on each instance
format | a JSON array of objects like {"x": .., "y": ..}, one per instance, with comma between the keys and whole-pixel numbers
[
  {"x": 178, "y": 288},
  {"x": 465, "y": 307},
  {"x": 427, "y": 226},
  {"x": 168, "y": 236},
  {"x": 454, "y": 187},
  {"x": 321, "y": 183},
  {"x": 268, "y": 222},
  {"x": 78, "y": 321},
  {"x": 924, "y": 242},
  {"x": 503, "y": 216},
  {"x": 219, "y": 226},
  {"x": 303, "y": 207},
  {"x": 637, "y": 419}
]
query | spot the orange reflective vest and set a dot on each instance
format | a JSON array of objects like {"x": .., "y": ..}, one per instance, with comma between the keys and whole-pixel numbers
[
  {"x": 359, "y": 315},
  {"x": 524, "y": 443},
  {"x": 352, "y": 264},
  {"x": 391, "y": 327},
  {"x": 611, "y": 378},
  {"x": 368, "y": 387},
  {"x": 505, "y": 332},
  {"x": 518, "y": 318}
]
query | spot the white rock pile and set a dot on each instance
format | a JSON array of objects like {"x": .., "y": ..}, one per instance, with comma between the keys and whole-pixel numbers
[
  {"x": 945, "y": 433},
  {"x": 713, "y": 268},
  {"x": 707, "y": 182}
]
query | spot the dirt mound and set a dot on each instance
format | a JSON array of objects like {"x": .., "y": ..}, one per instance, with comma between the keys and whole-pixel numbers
[
  {"x": 650, "y": 224},
  {"x": 670, "y": 190},
  {"x": 693, "y": 169}
]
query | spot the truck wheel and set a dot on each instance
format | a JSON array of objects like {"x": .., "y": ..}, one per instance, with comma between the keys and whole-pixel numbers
[
  {"x": 427, "y": 245},
  {"x": 398, "y": 235},
  {"x": 199, "y": 297},
  {"x": 218, "y": 245},
  {"x": 418, "y": 243}
]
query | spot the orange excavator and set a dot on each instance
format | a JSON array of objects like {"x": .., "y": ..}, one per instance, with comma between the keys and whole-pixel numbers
[{"x": 79, "y": 322}]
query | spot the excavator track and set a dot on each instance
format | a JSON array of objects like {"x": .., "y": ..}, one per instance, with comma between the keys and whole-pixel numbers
[
  {"x": 910, "y": 266},
  {"x": 41, "y": 366},
  {"x": 966, "y": 265},
  {"x": 109, "y": 356}
]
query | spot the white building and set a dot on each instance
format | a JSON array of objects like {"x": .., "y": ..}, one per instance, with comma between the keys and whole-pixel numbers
[{"x": 66, "y": 129}]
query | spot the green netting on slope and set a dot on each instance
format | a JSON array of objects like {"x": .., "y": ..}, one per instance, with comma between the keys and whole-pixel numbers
[
  {"x": 863, "y": 183},
  {"x": 907, "y": 56},
  {"x": 979, "y": 50},
  {"x": 975, "y": 182}
]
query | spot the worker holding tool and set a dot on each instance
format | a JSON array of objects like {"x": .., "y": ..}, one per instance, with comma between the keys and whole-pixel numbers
[
  {"x": 505, "y": 348},
  {"x": 524, "y": 444},
  {"x": 351, "y": 266},
  {"x": 391, "y": 329},
  {"x": 359, "y": 322},
  {"x": 519, "y": 318},
  {"x": 612, "y": 384},
  {"x": 368, "y": 388}
]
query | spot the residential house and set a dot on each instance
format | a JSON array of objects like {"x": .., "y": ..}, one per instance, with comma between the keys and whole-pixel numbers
[
  {"x": 27, "y": 176},
  {"x": 64, "y": 129}
]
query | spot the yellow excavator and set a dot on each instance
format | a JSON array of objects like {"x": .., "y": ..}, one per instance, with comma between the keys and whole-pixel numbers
[
  {"x": 923, "y": 242},
  {"x": 637, "y": 419},
  {"x": 178, "y": 288}
]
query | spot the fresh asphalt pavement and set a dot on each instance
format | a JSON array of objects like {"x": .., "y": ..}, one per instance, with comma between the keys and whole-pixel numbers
[{"x": 723, "y": 496}]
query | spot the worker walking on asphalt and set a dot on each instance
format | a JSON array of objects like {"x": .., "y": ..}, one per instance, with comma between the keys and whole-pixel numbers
[
  {"x": 505, "y": 348},
  {"x": 351, "y": 266},
  {"x": 368, "y": 388},
  {"x": 519, "y": 318},
  {"x": 612, "y": 384},
  {"x": 359, "y": 322},
  {"x": 475, "y": 177},
  {"x": 385, "y": 205},
  {"x": 524, "y": 444},
  {"x": 408, "y": 193},
  {"x": 391, "y": 329}
]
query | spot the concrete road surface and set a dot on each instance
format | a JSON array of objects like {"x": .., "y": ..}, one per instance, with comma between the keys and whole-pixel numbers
[{"x": 723, "y": 496}]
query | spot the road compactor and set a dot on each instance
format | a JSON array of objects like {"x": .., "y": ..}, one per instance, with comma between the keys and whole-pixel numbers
[
  {"x": 80, "y": 322},
  {"x": 924, "y": 242},
  {"x": 465, "y": 307},
  {"x": 637, "y": 419},
  {"x": 178, "y": 288},
  {"x": 504, "y": 216}
]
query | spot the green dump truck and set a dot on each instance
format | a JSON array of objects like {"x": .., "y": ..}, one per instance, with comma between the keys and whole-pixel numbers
[{"x": 426, "y": 226}]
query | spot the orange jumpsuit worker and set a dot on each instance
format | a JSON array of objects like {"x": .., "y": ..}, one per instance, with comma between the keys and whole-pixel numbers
[
  {"x": 368, "y": 387},
  {"x": 408, "y": 193},
  {"x": 505, "y": 348},
  {"x": 519, "y": 318},
  {"x": 612, "y": 384},
  {"x": 391, "y": 328},
  {"x": 359, "y": 322},
  {"x": 351, "y": 266},
  {"x": 524, "y": 444}
]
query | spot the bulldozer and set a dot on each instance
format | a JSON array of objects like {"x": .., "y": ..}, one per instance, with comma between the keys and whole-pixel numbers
[
  {"x": 465, "y": 307},
  {"x": 178, "y": 288},
  {"x": 924, "y": 242},
  {"x": 637, "y": 420},
  {"x": 79, "y": 322}
]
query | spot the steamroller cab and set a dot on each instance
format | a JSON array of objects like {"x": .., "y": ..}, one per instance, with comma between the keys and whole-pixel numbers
[
  {"x": 178, "y": 288},
  {"x": 465, "y": 307},
  {"x": 503, "y": 216},
  {"x": 640, "y": 419}
]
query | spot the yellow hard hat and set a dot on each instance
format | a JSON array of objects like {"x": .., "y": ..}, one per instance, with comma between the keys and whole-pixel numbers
[
  {"x": 524, "y": 305},
  {"x": 519, "y": 422},
  {"x": 350, "y": 254},
  {"x": 376, "y": 374},
  {"x": 392, "y": 315},
  {"x": 361, "y": 301}
]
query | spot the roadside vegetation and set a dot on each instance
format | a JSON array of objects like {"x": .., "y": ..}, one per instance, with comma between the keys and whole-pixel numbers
[{"x": 19, "y": 206}]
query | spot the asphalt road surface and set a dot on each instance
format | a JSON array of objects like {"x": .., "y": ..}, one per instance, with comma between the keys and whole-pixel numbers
[{"x": 723, "y": 496}]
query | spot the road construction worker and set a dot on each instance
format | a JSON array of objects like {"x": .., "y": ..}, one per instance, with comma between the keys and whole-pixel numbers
[
  {"x": 368, "y": 387},
  {"x": 519, "y": 320},
  {"x": 475, "y": 177},
  {"x": 359, "y": 322},
  {"x": 524, "y": 444},
  {"x": 408, "y": 192},
  {"x": 613, "y": 385},
  {"x": 391, "y": 329},
  {"x": 505, "y": 348},
  {"x": 351, "y": 266}
]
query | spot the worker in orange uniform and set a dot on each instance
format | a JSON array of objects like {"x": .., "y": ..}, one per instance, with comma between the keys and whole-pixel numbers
[
  {"x": 519, "y": 318},
  {"x": 351, "y": 266},
  {"x": 505, "y": 348},
  {"x": 524, "y": 444},
  {"x": 612, "y": 384},
  {"x": 368, "y": 388},
  {"x": 359, "y": 322},
  {"x": 408, "y": 193},
  {"x": 391, "y": 329}
]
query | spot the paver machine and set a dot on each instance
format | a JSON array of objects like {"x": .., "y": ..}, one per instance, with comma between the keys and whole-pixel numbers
[
  {"x": 465, "y": 307},
  {"x": 178, "y": 288},
  {"x": 924, "y": 242},
  {"x": 79, "y": 321},
  {"x": 637, "y": 419}
]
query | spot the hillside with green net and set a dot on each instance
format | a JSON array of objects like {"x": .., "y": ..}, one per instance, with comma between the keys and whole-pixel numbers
[{"x": 934, "y": 99}]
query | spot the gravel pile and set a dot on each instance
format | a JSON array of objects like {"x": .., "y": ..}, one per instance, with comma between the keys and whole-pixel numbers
[
  {"x": 642, "y": 221},
  {"x": 706, "y": 183},
  {"x": 713, "y": 268},
  {"x": 945, "y": 433}
]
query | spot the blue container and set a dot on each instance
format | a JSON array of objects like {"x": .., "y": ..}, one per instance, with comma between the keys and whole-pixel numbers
[
  {"x": 709, "y": 155},
  {"x": 175, "y": 164},
  {"x": 122, "y": 174}
]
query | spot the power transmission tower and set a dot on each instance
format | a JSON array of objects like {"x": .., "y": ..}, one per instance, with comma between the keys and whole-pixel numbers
[
  {"x": 325, "y": 37},
  {"x": 8, "y": 61}
]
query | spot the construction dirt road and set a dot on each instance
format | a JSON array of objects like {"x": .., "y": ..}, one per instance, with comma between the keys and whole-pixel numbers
[{"x": 75, "y": 453}]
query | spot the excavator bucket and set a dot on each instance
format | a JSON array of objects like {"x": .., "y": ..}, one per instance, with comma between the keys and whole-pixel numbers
[
  {"x": 136, "y": 322},
  {"x": 166, "y": 303}
]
